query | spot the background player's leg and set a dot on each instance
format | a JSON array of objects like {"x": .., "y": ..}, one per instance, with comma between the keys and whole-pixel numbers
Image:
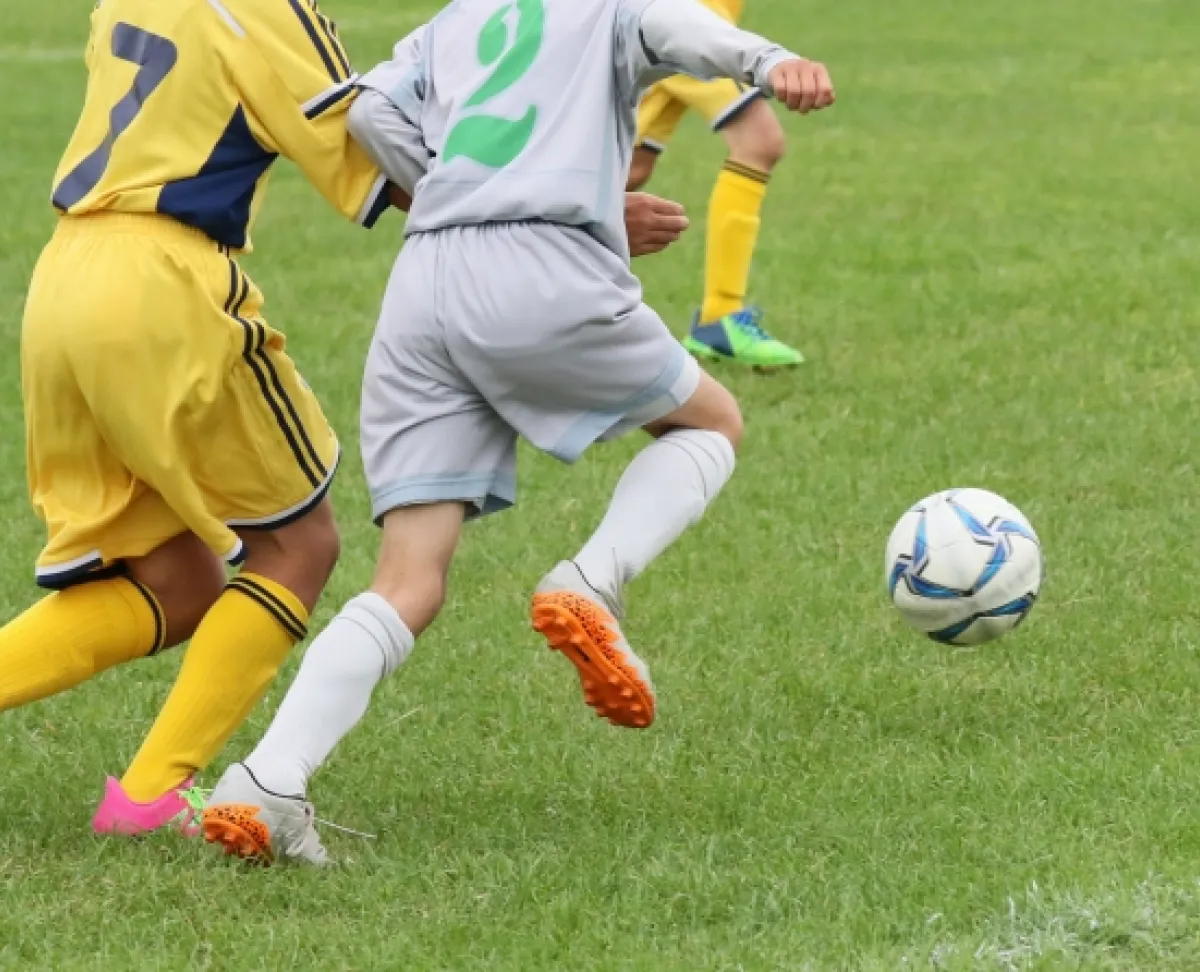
[
  {"x": 726, "y": 327},
  {"x": 368, "y": 640},
  {"x": 237, "y": 650},
  {"x": 659, "y": 114},
  {"x": 72, "y": 635},
  {"x": 756, "y": 145},
  {"x": 665, "y": 489}
]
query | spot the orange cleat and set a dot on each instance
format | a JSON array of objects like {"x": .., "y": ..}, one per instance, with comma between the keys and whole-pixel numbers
[
  {"x": 236, "y": 829},
  {"x": 575, "y": 622},
  {"x": 252, "y": 823}
]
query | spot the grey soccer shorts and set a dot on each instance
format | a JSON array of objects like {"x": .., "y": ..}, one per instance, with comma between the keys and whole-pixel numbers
[{"x": 497, "y": 331}]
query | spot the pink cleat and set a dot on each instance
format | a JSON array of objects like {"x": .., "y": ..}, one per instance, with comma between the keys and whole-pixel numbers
[{"x": 179, "y": 807}]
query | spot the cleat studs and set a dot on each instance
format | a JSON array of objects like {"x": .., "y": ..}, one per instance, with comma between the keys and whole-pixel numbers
[
  {"x": 637, "y": 709},
  {"x": 627, "y": 693},
  {"x": 614, "y": 681}
]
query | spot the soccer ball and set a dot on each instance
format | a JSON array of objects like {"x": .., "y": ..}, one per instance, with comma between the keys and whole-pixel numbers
[{"x": 964, "y": 566}]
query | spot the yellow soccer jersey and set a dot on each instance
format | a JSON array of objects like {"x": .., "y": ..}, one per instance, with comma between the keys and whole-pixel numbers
[{"x": 190, "y": 101}]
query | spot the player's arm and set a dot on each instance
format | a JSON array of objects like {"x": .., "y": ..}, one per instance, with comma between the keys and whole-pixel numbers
[
  {"x": 385, "y": 118},
  {"x": 666, "y": 37},
  {"x": 297, "y": 83}
]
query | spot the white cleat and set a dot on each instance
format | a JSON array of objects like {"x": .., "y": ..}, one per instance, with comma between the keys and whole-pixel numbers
[
  {"x": 582, "y": 624},
  {"x": 258, "y": 825}
]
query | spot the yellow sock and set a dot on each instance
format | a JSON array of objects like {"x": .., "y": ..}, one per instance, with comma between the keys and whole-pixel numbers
[
  {"x": 733, "y": 221},
  {"x": 71, "y": 635},
  {"x": 233, "y": 657}
]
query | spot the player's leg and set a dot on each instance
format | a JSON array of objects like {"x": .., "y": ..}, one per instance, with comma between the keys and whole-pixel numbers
[
  {"x": 227, "y": 433},
  {"x": 756, "y": 145},
  {"x": 664, "y": 490},
  {"x": 236, "y": 650},
  {"x": 103, "y": 611},
  {"x": 727, "y": 327},
  {"x": 258, "y": 809},
  {"x": 666, "y": 487},
  {"x": 659, "y": 114},
  {"x": 432, "y": 450},
  {"x": 592, "y": 362},
  {"x": 269, "y": 481},
  {"x": 78, "y": 632}
]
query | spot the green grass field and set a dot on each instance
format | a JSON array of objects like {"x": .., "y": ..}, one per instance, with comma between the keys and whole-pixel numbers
[{"x": 988, "y": 250}]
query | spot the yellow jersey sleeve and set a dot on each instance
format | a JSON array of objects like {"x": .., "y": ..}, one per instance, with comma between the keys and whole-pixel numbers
[{"x": 297, "y": 91}]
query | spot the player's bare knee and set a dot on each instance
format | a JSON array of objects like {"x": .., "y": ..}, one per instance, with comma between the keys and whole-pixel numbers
[
  {"x": 186, "y": 579},
  {"x": 755, "y": 137},
  {"x": 417, "y": 593},
  {"x": 322, "y": 542},
  {"x": 727, "y": 419},
  {"x": 712, "y": 408},
  {"x": 199, "y": 592},
  {"x": 414, "y": 559},
  {"x": 300, "y": 556}
]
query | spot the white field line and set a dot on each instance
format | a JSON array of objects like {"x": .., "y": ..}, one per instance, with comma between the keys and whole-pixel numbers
[
  {"x": 41, "y": 55},
  {"x": 392, "y": 26}
]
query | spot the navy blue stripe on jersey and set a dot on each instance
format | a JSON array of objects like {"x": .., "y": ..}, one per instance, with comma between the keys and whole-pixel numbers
[
  {"x": 260, "y": 377},
  {"x": 217, "y": 199},
  {"x": 329, "y": 28},
  {"x": 328, "y": 100},
  {"x": 317, "y": 40}
]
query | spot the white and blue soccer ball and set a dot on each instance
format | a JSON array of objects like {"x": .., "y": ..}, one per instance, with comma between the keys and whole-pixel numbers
[{"x": 964, "y": 566}]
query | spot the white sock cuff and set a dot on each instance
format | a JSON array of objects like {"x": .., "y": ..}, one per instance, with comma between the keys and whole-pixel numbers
[
  {"x": 712, "y": 453},
  {"x": 375, "y": 615}
]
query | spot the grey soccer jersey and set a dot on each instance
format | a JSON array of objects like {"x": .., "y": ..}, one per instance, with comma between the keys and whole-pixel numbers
[{"x": 508, "y": 110}]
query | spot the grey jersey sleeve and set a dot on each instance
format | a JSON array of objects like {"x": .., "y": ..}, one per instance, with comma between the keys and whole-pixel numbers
[
  {"x": 665, "y": 37},
  {"x": 385, "y": 118}
]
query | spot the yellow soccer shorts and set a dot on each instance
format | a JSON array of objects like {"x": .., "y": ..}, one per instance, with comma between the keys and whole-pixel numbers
[
  {"x": 664, "y": 104},
  {"x": 157, "y": 399}
]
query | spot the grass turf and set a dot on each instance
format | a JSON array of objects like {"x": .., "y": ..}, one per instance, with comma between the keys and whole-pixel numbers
[{"x": 988, "y": 252}]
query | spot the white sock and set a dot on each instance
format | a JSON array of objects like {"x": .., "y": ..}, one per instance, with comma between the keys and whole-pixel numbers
[
  {"x": 664, "y": 490},
  {"x": 365, "y": 642}
]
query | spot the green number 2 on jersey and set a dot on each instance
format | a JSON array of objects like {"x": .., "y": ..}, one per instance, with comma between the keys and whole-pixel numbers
[{"x": 492, "y": 140}]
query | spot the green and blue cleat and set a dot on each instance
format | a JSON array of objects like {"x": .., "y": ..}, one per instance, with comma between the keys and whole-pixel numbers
[{"x": 740, "y": 337}]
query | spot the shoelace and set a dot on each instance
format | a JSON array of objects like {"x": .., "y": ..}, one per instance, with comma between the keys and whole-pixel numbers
[
  {"x": 747, "y": 320},
  {"x": 308, "y": 812}
]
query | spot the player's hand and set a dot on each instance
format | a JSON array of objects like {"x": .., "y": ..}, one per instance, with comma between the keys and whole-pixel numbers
[
  {"x": 652, "y": 224},
  {"x": 802, "y": 85}
]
